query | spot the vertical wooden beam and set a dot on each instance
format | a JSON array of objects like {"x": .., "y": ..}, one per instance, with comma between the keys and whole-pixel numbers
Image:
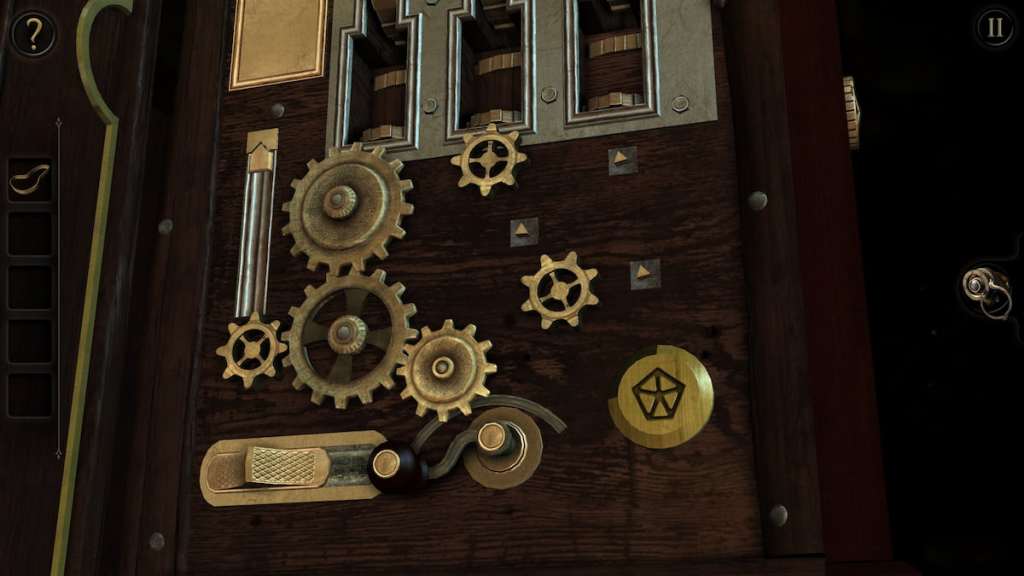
[
  {"x": 856, "y": 526},
  {"x": 787, "y": 471}
]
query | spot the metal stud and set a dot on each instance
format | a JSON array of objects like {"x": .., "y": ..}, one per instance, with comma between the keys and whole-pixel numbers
[{"x": 757, "y": 201}]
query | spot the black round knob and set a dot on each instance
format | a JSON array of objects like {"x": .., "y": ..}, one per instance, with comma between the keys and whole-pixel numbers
[{"x": 395, "y": 468}]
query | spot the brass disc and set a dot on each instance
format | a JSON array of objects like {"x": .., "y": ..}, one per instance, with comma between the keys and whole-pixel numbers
[
  {"x": 664, "y": 398},
  {"x": 511, "y": 469}
]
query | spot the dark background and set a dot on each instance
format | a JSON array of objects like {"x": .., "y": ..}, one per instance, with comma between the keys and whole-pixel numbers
[{"x": 938, "y": 180}]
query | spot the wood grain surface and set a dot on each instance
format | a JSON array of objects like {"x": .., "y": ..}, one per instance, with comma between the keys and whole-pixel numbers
[{"x": 596, "y": 498}]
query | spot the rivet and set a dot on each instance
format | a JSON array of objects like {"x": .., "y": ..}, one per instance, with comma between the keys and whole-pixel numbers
[
  {"x": 430, "y": 105},
  {"x": 778, "y": 515},
  {"x": 165, "y": 227},
  {"x": 277, "y": 110},
  {"x": 757, "y": 201},
  {"x": 157, "y": 541},
  {"x": 549, "y": 94},
  {"x": 432, "y": 2},
  {"x": 680, "y": 104}
]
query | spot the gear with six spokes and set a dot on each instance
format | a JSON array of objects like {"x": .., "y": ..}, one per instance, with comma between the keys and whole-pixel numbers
[
  {"x": 570, "y": 301},
  {"x": 489, "y": 158},
  {"x": 348, "y": 335},
  {"x": 251, "y": 350},
  {"x": 445, "y": 370},
  {"x": 347, "y": 208}
]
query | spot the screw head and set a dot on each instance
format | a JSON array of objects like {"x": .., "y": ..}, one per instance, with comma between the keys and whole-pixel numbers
[
  {"x": 549, "y": 94},
  {"x": 157, "y": 541},
  {"x": 277, "y": 110},
  {"x": 975, "y": 285},
  {"x": 778, "y": 515},
  {"x": 165, "y": 227},
  {"x": 757, "y": 201},
  {"x": 680, "y": 104},
  {"x": 430, "y": 105}
]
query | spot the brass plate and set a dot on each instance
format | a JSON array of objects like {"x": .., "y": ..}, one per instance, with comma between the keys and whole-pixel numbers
[
  {"x": 277, "y": 41},
  {"x": 664, "y": 398},
  {"x": 224, "y": 465}
]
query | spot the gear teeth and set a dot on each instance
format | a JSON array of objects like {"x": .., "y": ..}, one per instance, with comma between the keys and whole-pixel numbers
[
  {"x": 467, "y": 138},
  {"x": 296, "y": 183},
  {"x": 366, "y": 396},
  {"x": 402, "y": 371},
  {"x": 380, "y": 252},
  {"x": 388, "y": 383},
  {"x": 485, "y": 190},
  {"x": 406, "y": 185},
  {"x": 411, "y": 333},
  {"x": 490, "y": 369},
  {"x": 379, "y": 276},
  {"x": 398, "y": 232},
  {"x": 442, "y": 415},
  {"x": 333, "y": 151},
  {"x": 425, "y": 332},
  {"x": 545, "y": 323},
  {"x": 593, "y": 300},
  {"x": 312, "y": 264},
  {"x": 334, "y": 268},
  {"x": 573, "y": 321},
  {"x": 571, "y": 258},
  {"x": 486, "y": 345},
  {"x": 397, "y": 288},
  {"x": 287, "y": 207},
  {"x": 228, "y": 373},
  {"x": 312, "y": 164},
  {"x": 545, "y": 261},
  {"x": 222, "y": 351},
  {"x": 397, "y": 166},
  {"x": 520, "y": 158},
  {"x": 295, "y": 250},
  {"x": 470, "y": 330},
  {"x": 294, "y": 311},
  {"x": 449, "y": 324},
  {"x": 232, "y": 328},
  {"x": 406, "y": 393},
  {"x": 465, "y": 408},
  {"x": 357, "y": 147},
  {"x": 298, "y": 384},
  {"x": 591, "y": 274},
  {"x": 527, "y": 306},
  {"x": 271, "y": 372},
  {"x": 378, "y": 151},
  {"x": 410, "y": 310},
  {"x": 464, "y": 181},
  {"x": 421, "y": 411},
  {"x": 340, "y": 402},
  {"x": 492, "y": 127},
  {"x": 407, "y": 209},
  {"x": 316, "y": 397},
  {"x": 309, "y": 290}
]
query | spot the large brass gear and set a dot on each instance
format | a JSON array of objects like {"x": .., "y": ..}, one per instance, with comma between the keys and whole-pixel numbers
[
  {"x": 251, "y": 350},
  {"x": 445, "y": 370},
  {"x": 348, "y": 335},
  {"x": 560, "y": 290},
  {"x": 496, "y": 166},
  {"x": 347, "y": 208}
]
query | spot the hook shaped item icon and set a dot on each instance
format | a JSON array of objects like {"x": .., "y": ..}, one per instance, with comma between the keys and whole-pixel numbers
[{"x": 27, "y": 183}]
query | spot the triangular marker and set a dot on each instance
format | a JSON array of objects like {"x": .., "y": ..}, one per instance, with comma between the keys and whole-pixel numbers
[
  {"x": 619, "y": 157},
  {"x": 642, "y": 272},
  {"x": 521, "y": 230}
]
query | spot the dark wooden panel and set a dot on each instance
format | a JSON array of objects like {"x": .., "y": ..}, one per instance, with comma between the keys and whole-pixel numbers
[
  {"x": 35, "y": 93},
  {"x": 786, "y": 465},
  {"x": 596, "y": 498},
  {"x": 840, "y": 367}
]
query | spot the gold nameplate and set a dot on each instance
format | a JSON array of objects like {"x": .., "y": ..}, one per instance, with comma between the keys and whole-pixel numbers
[{"x": 277, "y": 41}]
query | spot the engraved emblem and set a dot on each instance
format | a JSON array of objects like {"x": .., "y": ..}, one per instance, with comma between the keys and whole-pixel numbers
[{"x": 659, "y": 395}]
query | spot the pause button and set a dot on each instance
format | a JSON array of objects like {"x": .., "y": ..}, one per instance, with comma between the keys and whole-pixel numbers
[{"x": 996, "y": 27}]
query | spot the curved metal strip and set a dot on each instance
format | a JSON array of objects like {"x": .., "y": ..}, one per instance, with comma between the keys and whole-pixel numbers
[
  {"x": 494, "y": 400},
  {"x": 86, "y": 20}
]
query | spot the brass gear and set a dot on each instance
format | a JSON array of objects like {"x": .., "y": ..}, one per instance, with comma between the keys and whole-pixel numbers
[
  {"x": 347, "y": 208},
  {"x": 347, "y": 336},
  {"x": 489, "y": 159},
  {"x": 560, "y": 290},
  {"x": 248, "y": 357},
  {"x": 445, "y": 370}
]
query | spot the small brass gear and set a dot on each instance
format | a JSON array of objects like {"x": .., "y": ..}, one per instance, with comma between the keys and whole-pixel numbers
[
  {"x": 251, "y": 350},
  {"x": 348, "y": 335},
  {"x": 445, "y": 370},
  {"x": 559, "y": 290},
  {"x": 490, "y": 158},
  {"x": 347, "y": 208}
]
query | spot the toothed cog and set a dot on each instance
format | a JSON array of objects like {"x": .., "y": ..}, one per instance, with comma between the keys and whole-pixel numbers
[
  {"x": 445, "y": 370},
  {"x": 347, "y": 208},
  {"x": 251, "y": 350},
  {"x": 490, "y": 158},
  {"x": 347, "y": 334},
  {"x": 563, "y": 298}
]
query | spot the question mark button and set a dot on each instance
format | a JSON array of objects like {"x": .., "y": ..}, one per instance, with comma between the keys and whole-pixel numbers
[{"x": 33, "y": 34}]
